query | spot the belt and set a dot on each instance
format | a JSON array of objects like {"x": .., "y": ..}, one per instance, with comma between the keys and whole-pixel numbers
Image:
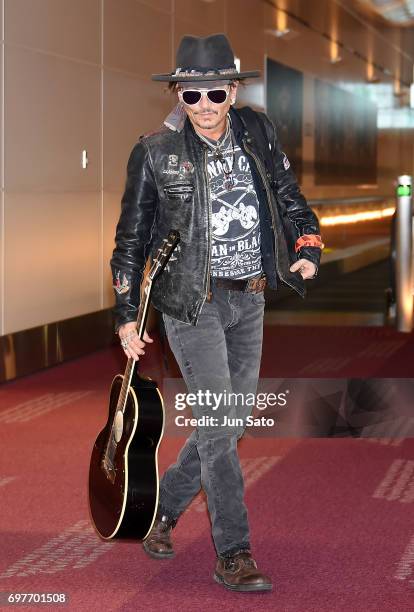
[{"x": 251, "y": 285}]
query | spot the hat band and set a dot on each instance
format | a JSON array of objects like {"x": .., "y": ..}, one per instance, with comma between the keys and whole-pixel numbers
[{"x": 194, "y": 72}]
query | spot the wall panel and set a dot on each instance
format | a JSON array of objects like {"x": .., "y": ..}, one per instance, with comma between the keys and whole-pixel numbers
[
  {"x": 1, "y": 171},
  {"x": 161, "y": 5},
  {"x": 137, "y": 38},
  {"x": 56, "y": 26},
  {"x": 210, "y": 14},
  {"x": 245, "y": 24},
  {"x": 52, "y": 113},
  {"x": 52, "y": 257}
]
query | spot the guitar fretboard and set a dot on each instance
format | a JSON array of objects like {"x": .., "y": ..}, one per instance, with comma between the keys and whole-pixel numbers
[{"x": 141, "y": 321}]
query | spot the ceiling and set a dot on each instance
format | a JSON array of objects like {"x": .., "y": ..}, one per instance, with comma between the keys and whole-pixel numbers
[{"x": 396, "y": 12}]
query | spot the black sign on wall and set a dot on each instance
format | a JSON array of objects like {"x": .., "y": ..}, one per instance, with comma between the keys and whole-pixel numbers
[
  {"x": 284, "y": 101},
  {"x": 345, "y": 137}
]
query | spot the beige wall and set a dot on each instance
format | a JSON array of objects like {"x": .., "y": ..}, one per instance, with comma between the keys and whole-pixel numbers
[{"x": 77, "y": 76}]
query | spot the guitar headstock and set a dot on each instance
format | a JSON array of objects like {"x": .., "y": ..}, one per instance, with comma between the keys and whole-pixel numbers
[{"x": 164, "y": 254}]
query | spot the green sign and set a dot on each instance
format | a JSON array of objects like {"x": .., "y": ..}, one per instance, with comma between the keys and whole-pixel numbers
[{"x": 403, "y": 190}]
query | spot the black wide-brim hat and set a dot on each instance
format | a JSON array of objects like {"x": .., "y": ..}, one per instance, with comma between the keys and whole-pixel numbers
[{"x": 205, "y": 59}]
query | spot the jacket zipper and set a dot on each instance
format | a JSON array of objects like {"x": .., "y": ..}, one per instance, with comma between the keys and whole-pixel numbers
[
  {"x": 258, "y": 166},
  {"x": 208, "y": 225},
  {"x": 207, "y": 276}
]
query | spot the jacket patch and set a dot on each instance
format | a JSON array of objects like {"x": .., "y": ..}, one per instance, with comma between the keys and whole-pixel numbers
[
  {"x": 183, "y": 169},
  {"x": 186, "y": 167},
  {"x": 121, "y": 288},
  {"x": 286, "y": 162}
]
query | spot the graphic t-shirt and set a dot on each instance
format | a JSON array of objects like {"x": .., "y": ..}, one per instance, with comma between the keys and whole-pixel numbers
[{"x": 235, "y": 250}]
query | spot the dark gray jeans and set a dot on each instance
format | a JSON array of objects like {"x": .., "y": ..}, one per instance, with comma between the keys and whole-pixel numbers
[{"x": 222, "y": 353}]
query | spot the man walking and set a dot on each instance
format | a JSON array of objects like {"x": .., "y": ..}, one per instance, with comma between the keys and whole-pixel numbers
[{"x": 218, "y": 176}]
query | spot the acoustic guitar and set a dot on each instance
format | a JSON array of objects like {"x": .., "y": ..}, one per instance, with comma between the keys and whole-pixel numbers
[{"x": 123, "y": 472}]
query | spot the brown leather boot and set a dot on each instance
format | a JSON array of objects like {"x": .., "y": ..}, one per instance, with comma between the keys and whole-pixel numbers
[
  {"x": 158, "y": 544},
  {"x": 240, "y": 573}
]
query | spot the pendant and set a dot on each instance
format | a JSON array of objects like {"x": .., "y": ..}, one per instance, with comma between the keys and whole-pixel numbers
[{"x": 229, "y": 183}]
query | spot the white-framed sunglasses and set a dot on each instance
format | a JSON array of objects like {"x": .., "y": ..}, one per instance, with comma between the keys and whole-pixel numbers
[{"x": 218, "y": 95}]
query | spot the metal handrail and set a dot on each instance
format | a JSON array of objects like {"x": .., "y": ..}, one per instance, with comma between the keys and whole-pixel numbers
[{"x": 356, "y": 200}]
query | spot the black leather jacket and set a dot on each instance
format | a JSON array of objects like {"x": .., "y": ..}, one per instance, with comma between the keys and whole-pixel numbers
[{"x": 167, "y": 188}]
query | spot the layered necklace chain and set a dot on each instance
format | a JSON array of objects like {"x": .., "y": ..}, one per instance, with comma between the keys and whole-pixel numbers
[{"x": 221, "y": 150}]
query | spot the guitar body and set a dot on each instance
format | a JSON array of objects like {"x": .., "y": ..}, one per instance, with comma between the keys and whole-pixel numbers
[{"x": 124, "y": 484}]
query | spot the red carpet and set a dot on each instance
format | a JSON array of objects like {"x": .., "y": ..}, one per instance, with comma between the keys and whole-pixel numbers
[
  {"x": 337, "y": 352},
  {"x": 332, "y": 520}
]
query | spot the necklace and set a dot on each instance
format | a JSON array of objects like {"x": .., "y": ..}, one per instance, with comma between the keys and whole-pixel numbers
[
  {"x": 219, "y": 154},
  {"x": 228, "y": 172}
]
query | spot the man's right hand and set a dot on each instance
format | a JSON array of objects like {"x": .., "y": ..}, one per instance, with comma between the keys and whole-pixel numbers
[{"x": 135, "y": 346}]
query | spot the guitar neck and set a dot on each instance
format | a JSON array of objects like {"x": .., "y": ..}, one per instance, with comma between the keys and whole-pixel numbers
[
  {"x": 144, "y": 307},
  {"x": 141, "y": 323},
  {"x": 158, "y": 265}
]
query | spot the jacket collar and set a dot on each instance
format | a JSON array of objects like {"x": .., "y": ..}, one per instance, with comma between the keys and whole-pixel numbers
[{"x": 238, "y": 123}]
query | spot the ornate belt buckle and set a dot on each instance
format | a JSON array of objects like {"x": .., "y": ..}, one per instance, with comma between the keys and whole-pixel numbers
[
  {"x": 261, "y": 284},
  {"x": 257, "y": 284}
]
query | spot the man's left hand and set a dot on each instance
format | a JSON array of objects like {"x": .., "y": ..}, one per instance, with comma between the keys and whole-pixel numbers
[{"x": 305, "y": 267}]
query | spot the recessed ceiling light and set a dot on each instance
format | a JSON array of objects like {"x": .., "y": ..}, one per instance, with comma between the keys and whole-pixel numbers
[
  {"x": 286, "y": 34},
  {"x": 333, "y": 60}
]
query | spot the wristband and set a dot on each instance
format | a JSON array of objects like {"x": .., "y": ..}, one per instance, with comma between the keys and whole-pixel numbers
[{"x": 313, "y": 240}]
